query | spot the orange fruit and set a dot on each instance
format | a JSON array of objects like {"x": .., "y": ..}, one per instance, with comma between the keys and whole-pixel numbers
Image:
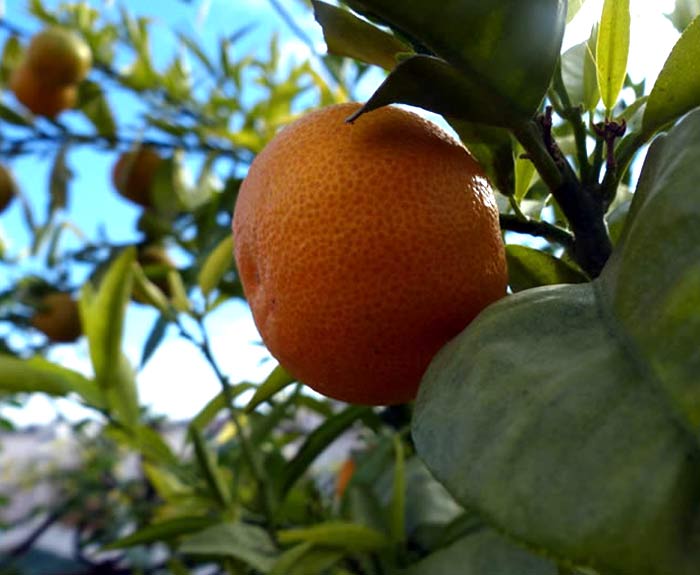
[
  {"x": 363, "y": 248},
  {"x": 39, "y": 97},
  {"x": 58, "y": 318},
  {"x": 58, "y": 57},
  {"x": 8, "y": 188},
  {"x": 134, "y": 173}
]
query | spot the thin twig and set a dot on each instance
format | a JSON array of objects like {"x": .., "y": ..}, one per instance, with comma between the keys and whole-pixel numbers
[{"x": 537, "y": 228}]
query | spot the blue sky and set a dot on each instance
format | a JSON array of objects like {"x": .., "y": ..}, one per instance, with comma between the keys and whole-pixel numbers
[{"x": 177, "y": 381}]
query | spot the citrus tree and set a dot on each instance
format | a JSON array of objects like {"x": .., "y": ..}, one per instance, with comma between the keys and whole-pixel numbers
[{"x": 556, "y": 429}]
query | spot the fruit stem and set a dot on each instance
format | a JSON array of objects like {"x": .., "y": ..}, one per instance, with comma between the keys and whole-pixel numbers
[{"x": 582, "y": 206}]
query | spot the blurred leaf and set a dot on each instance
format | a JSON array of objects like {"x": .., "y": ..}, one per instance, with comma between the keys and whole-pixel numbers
[
  {"x": 153, "y": 446},
  {"x": 102, "y": 314},
  {"x": 146, "y": 291},
  {"x": 218, "y": 262},
  {"x": 578, "y": 70},
  {"x": 11, "y": 117},
  {"x": 154, "y": 339},
  {"x": 677, "y": 89},
  {"x": 209, "y": 468},
  {"x": 11, "y": 57},
  {"x": 93, "y": 103},
  {"x": 244, "y": 542},
  {"x": 216, "y": 404},
  {"x": 496, "y": 57},
  {"x": 39, "y": 375},
  {"x": 319, "y": 439},
  {"x": 612, "y": 48},
  {"x": 162, "y": 531},
  {"x": 483, "y": 553},
  {"x": 564, "y": 398},
  {"x": 529, "y": 268},
  {"x": 58, "y": 181},
  {"x": 339, "y": 534},
  {"x": 166, "y": 484},
  {"x": 572, "y": 9},
  {"x": 348, "y": 35},
  {"x": 273, "y": 384},
  {"x": 305, "y": 559},
  {"x": 684, "y": 12},
  {"x": 198, "y": 52}
]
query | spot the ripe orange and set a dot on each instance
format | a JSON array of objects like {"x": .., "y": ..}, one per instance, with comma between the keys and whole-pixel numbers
[
  {"x": 58, "y": 57},
  {"x": 58, "y": 318},
  {"x": 8, "y": 188},
  {"x": 39, "y": 97},
  {"x": 134, "y": 173},
  {"x": 363, "y": 248}
]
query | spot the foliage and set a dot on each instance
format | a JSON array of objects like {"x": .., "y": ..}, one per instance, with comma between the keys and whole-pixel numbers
[{"x": 557, "y": 434}]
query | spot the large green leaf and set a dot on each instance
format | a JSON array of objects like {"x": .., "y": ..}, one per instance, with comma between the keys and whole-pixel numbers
[
  {"x": 568, "y": 416},
  {"x": 505, "y": 49},
  {"x": 677, "y": 89},
  {"x": 578, "y": 71},
  {"x": 483, "y": 553}
]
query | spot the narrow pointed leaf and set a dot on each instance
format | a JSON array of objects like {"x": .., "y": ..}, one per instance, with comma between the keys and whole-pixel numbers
[
  {"x": 210, "y": 468},
  {"x": 343, "y": 535},
  {"x": 216, "y": 265},
  {"x": 273, "y": 384},
  {"x": 612, "y": 49},
  {"x": 161, "y": 531}
]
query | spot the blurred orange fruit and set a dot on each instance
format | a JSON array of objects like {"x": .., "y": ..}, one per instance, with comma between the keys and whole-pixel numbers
[
  {"x": 134, "y": 174},
  {"x": 58, "y": 318},
  {"x": 40, "y": 97},
  {"x": 58, "y": 57},
  {"x": 363, "y": 248},
  {"x": 8, "y": 188}
]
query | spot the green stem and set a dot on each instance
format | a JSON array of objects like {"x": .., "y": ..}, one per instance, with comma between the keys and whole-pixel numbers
[{"x": 254, "y": 463}]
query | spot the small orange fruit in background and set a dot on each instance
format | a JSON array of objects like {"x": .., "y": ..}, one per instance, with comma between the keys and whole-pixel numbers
[
  {"x": 363, "y": 248},
  {"x": 133, "y": 175},
  {"x": 39, "y": 97},
  {"x": 8, "y": 188},
  {"x": 58, "y": 57},
  {"x": 58, "y": 318}
]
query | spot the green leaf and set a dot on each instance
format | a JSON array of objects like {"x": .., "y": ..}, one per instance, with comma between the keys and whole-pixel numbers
[
  {"x": 154, "y": 339},
  {"x": 524, "y": 172},
  {"x": 12, "y": 53},
  {"x": 11, "y": 117},
  {"x": 528, "y": 268},
  {"x": 244, "y": 542},
  {"x": 215, "y": 266},
  {"x": 612, "y": 48},
  {"x": 348, "y": 35},
  {"x": 209, "y": 468},
  {"x": 483, "y": 553},
  {"x": 578, "y": 70},
  {"x": 569, "y": 416},
  {"x": 273, "y": 384},
  {"x": 504, "y": 51},
  {"x": 58, "y": 181},
  {"x": 684, "y": 13},
  {"x": 316, "y": 443},
  {"x": 162, "y": 531},
  {"x": 37, "y": 375},
  {"x": 216, "y": 404},
  {"x": 572, "y": 9},
  {"x": 677, "y": 89},
  {"x": 305, "y": 559},
  {"x": 93, "y": 103},
  {"x": 153, "y": 446},
  {"x": 340, "y": 534},
  {"x": 198, "y": 52},
  {"x": 102, "y": 314}
]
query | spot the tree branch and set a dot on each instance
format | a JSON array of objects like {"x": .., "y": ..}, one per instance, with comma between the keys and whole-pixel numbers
[{"x": 538, "y": 229}]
